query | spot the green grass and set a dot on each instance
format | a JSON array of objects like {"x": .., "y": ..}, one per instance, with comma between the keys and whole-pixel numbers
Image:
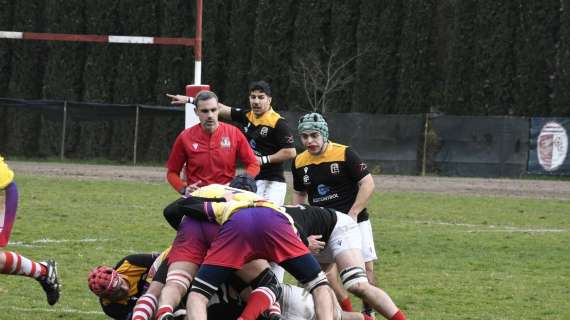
[{"x": 442, "y": 256}]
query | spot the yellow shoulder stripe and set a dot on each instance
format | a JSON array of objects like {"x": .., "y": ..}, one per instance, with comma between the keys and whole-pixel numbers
[
  {"x": 334, "y": 152},
  {"x": 268, "y": 119}
]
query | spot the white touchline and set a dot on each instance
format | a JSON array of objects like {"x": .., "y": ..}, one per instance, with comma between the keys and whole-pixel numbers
[
  {"x": 65, "y": 310},
  {"x": 34, "y": 243},
  {"x": 492, "y": 228}
]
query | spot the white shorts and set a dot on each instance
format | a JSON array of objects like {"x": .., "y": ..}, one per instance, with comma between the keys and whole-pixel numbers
[
  {"x": 345, "y": 236},
  {"x": 368, "y": 249},
  {"x": 273, "y": 191},
  {"x": 296, "y": 303}
]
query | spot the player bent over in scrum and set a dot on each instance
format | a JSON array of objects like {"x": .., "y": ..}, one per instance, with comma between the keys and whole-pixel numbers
[
  {"x": 334, "y": 237},
  {"x": 263, "y": 231},
  {"x": 192, "y": 242}
]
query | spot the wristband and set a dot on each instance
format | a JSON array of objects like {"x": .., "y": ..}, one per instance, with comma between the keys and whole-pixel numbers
[{"x": 264, "y": 160}]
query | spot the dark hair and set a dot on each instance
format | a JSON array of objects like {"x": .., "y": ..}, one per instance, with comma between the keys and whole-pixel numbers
[
  {"x": 245, "y": 182},
  {"x": 203, "y": 96},
  {"x": 260, "y": 86}
]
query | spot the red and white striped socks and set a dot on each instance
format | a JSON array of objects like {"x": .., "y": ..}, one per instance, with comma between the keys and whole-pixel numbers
[
  {"x": 19, "y": 265},
  {"x": 164, "y": 311},
  {"x": 145, "y": 307},
  {"x": 259, "y": 300}
]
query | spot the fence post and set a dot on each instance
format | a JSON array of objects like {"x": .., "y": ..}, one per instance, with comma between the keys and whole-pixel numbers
[
  {"x": 136, "y": 137},
  {"x": 63, "y": 129},
  {"x": 424, "y": 151}
]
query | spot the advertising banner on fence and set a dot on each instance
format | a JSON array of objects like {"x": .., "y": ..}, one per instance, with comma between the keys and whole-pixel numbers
[{"x": 548, "y": 152}]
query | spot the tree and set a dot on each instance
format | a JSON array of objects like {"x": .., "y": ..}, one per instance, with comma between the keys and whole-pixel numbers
[{"x": 320, "y": 80}]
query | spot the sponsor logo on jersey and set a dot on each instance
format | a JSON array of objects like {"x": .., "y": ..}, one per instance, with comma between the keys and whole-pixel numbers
[
  {"x": 326, "y": 198},
  {"x": 195, "y": 146},
  {"x": 552, "y": 146},
  {"x": 323, "y": 189},
  {"x": 263, "y": 131},
  {"x": 363, "y": 166},
  {"x": 225, "y": 142},
  {"x": 306, "y": 169},
  {"x": 334, "y": 168},
  {"x": 306, "y": 180}
]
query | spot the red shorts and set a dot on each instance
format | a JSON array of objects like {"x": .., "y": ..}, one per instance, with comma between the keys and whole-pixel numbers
[
  {"x": 192, "y": 241},
  {"x": 255, "y": 233}
]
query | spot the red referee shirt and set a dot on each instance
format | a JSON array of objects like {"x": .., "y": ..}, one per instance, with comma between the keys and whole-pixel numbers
[{"x": 210, "y": 158}]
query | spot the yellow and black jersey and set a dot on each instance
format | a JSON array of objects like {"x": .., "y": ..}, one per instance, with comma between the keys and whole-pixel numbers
[
  {"x": 6, "y": 175},
  {"x": 330, "y": 179},
  {"x": 135, "y": 270},
  {"x": 266, "y": 135}
]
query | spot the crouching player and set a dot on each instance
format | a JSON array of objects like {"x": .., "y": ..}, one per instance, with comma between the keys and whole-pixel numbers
[
  {"x": 11, "y": 263},
  {"x": 130, "y": 289},
  {"x": 334, "y": 237}
]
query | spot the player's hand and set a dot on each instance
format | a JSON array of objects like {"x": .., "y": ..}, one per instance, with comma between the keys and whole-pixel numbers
[
  {"x": 192, "y": 187},
  {"x": 179, "y": 99},
  {"x": 314, "y": 244}
]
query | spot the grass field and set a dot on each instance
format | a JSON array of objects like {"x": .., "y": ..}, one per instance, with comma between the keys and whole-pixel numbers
[{"x": 442, "y": 256}]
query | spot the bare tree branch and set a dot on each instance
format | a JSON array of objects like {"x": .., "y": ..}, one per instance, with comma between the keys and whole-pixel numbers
[{"x": 320, "y": 79}]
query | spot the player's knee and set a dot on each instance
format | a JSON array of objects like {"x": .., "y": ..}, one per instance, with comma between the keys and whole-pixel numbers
[
  {"x": 268, "y": 279},
  {"x": 354, "y": 279},
  {"x": 180, "y": 279},
  {"x": 319, "y": 279}
]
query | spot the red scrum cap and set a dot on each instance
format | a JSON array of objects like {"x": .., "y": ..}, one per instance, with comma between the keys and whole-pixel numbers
[{"x": 104, "y": 281}]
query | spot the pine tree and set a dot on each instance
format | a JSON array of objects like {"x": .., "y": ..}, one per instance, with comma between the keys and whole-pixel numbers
[
  {"x": 28, "y": 65},
  {"x": 459, "y": 74},
  {"x": 271, "y": 48},
  {"x": 309, "y": 35},
  {"x": 493, "y": 70},
  {"x": 241, "y": 38},
  {"x": 561, "y": 103},
  {"x": 416, "y": 71},
  {"x": 378, "y": 40}
]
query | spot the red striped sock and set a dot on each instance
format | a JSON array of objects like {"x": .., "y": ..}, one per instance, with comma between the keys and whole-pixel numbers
[
  {"x": 346, "y": 305},
  {"x": 145, "y": 307},
  {"x": 19, "y": 265},
  {"x": 398, "y": 316},
  {"x": 162, "y": 311},
  {"x": 259, "y": 300}
]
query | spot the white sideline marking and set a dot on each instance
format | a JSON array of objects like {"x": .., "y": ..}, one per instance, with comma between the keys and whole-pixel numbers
[
  {"x": 65, "y": 310},
  {"x": 35, "y": 243},
  {"x": 493, "y": 228}
]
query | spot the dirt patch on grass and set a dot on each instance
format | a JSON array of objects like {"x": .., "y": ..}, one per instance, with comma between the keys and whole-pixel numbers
[{"x": 547, "y": 189}]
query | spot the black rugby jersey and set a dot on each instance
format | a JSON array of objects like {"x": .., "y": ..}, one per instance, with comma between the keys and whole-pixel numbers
[
  {"x": 266, "y": 135},
  {"x": 331, "y": 178},
  {"x": 311, "y": 220}
]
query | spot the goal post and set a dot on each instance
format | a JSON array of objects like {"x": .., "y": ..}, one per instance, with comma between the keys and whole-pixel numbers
[{"x": 196, "y": 43}]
